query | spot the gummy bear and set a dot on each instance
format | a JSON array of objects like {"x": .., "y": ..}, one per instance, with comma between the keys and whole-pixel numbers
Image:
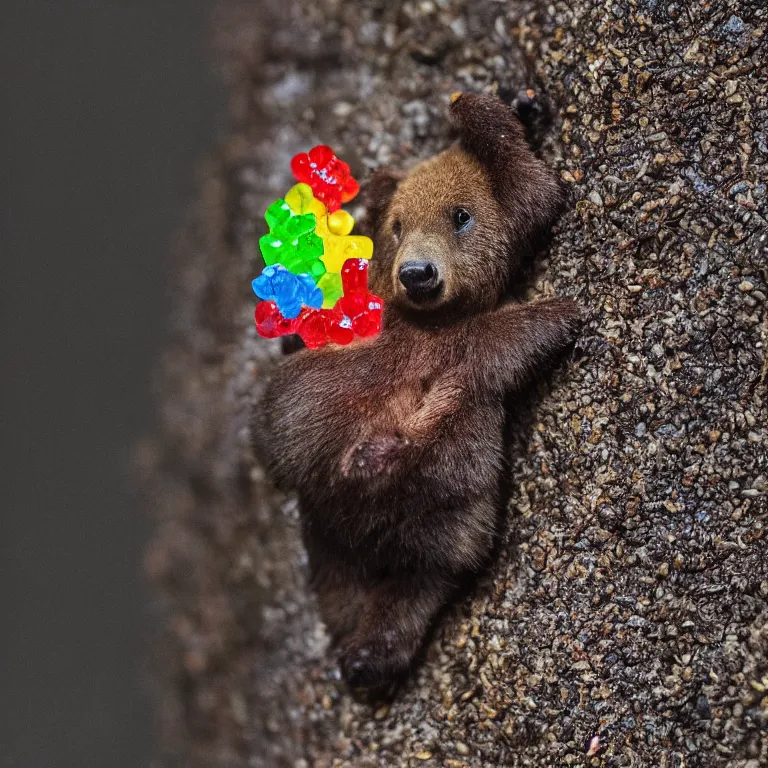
[
  {"x": 354, "y": 279},
  {"x": 361, "y": 307},
  {"x": 329, "y": 177},
  {"x": 333, "y": 228},
  {"x": 288, "y": 291},
  {"x": 292, "y": 241},
  {"x": 270, "y": 323}
]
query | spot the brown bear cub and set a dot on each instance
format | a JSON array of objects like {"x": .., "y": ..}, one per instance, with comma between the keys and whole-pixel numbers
[{"x": 395, "y": 444}]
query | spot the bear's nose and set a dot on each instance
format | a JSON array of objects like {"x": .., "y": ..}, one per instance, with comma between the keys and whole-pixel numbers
[{"x": 420, "y": 280}]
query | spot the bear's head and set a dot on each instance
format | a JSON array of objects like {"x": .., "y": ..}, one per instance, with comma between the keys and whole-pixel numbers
[{"x": 451, "y": 235}]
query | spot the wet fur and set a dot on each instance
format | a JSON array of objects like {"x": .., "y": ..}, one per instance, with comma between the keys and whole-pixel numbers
[{"x": 395, "y": 444}]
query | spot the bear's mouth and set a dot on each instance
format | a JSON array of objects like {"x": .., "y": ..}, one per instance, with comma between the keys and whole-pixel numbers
[{"x": 421, "y": 296}]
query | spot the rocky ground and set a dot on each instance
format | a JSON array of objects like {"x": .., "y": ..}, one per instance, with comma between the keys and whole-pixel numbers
[{"x": 625, "y": 621}]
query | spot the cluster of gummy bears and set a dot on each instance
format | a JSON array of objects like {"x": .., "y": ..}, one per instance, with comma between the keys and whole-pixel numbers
[{"x": 315, "y": 282}]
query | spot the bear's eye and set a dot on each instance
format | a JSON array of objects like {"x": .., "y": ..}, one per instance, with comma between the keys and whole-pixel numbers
[
  {"x": 397, "y": 229},
  {"x": 462, "y": 220}
]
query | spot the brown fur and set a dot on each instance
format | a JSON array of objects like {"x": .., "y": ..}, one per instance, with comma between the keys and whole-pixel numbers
[{"x": 394, "y": 444}]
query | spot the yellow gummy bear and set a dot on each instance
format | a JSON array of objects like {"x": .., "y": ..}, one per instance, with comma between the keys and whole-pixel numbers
[{"x": 334, "y": 229}]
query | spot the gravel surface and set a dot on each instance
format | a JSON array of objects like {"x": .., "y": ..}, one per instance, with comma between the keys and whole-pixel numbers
[{"x": 625, "y": 620}]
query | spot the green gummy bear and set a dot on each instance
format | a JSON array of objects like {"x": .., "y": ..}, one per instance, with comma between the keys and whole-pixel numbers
[
  {"x": 330, "y": 285},
  {"x": 299, "y": 256}
]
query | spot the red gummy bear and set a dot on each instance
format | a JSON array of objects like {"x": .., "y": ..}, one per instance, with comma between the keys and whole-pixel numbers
[
  {"x": 329, "y": 177},
  {"x": 354, "y": 279},
  {"x": 361, "y": 307}
]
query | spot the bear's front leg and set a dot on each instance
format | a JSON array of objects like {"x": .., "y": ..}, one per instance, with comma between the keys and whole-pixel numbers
[
  {"x": 514, "y": 343},
  {"x": 391, "y": 629}
]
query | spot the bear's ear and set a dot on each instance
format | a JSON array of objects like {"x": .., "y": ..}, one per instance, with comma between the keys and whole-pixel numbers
[
  {"x": 377, "y": 194},
  {"x": 492, "y": 132}
]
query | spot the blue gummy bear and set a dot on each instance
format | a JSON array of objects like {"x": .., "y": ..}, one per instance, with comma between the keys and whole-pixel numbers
[{"x": 289, "y": 291}]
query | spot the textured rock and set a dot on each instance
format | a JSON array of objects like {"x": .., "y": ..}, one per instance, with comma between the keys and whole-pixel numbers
[{"x": 625, "y": 620}]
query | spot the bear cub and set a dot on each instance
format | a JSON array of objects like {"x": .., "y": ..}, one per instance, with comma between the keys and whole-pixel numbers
[{"x": 394, "y": 444}]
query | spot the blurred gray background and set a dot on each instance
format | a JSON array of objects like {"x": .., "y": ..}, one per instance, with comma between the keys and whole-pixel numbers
[{"x": 105, "y": 110}]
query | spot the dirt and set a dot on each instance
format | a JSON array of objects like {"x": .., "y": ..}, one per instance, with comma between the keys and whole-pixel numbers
[{"x": 625, "y": 619}]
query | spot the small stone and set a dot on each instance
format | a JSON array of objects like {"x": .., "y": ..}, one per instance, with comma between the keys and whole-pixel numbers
[
  {"x": 195, "y": 662},
  {"x": 703, "y": 708},
  {"x": 343, "y": 109},
  {"x": 692, "y": 52}
]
